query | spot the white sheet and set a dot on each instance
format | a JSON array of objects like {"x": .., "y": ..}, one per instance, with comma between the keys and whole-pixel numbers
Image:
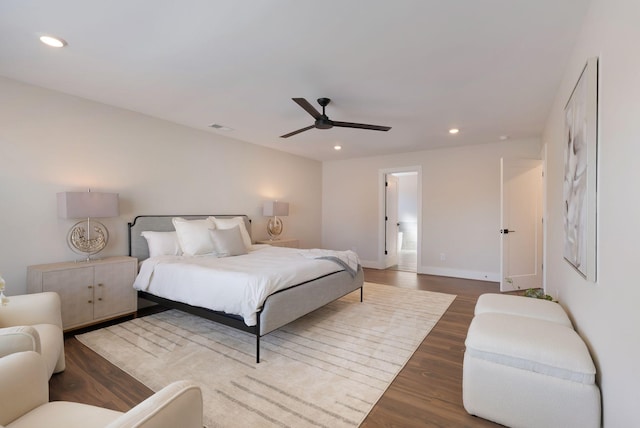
[{"x": 235, "y": 285}]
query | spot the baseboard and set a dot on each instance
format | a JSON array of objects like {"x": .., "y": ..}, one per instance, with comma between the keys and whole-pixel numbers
[
  {"x": 373, "y": 264},
  {"x": 460, "y": 273}
]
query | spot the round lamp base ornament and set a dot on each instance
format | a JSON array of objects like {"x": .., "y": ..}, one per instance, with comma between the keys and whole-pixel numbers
[
  {"x": 274, "y": 227},
  {"x": 87, "y": 238}
]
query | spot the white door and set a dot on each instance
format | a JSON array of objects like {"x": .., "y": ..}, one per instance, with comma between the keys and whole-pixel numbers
[
  {"x": 521, "y": 224},
  {"x": 391, "y": 220}
]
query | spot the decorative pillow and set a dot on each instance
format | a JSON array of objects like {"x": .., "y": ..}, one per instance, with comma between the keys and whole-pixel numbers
[
  {"x": 228, "y": 223},
  {"x": 162, "y": 243},
  {"x": 228, "y": 242},
  {"x": 194, "y": 236}
]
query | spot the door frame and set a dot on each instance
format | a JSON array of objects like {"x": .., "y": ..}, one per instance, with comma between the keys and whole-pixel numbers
[
  {"x": 543, "y": 156},
  {"x": 381, "y": 210}
]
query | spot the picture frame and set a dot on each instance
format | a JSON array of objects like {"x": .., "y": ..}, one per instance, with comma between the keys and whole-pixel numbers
[{"x": 580, "y": 173}]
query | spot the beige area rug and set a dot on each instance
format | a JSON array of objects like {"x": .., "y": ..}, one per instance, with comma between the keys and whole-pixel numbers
[{"x": 327, "y": 369}]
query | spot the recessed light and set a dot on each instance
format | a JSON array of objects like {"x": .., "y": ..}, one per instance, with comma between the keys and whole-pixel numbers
[
  {"x": 504, "y": 137},
  {"x": 454, "y": 131},
  {"x": 54, "y": 42},
  {"x": 337, "y": 147}
]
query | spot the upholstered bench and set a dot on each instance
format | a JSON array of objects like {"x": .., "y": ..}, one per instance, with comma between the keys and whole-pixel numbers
[
  {"x": 525, "y": 366},
  {"x": 526, "y": 307}
]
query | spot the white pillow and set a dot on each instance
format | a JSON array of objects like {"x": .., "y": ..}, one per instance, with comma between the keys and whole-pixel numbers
[
  {"x": 194, "y": 236},
  {"x": 228, "y": 223},
  {"x": 228, "y": 242},
  {"x": 162, "y": 243}
]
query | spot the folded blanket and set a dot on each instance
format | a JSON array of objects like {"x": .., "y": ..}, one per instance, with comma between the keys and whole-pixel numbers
[{"x": 347, "y": 259}]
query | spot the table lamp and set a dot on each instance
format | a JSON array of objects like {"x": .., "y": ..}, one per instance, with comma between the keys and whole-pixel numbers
[
  {"x": 275, "y": 209},
  {"x": 87, "y": 237}
]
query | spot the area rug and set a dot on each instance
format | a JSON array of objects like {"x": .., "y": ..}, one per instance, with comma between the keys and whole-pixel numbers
[{"x": 327, "y": 369}]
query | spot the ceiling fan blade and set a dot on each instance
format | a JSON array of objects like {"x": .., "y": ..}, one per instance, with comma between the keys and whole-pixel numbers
[
  {"x": 361, "y": 126},
  {"x": 308, "y": 107},
  {"x": 290, "y": 134}
]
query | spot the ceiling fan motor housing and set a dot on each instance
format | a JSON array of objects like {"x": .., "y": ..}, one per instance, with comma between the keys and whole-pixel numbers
[{"x": 324, "y": 123}]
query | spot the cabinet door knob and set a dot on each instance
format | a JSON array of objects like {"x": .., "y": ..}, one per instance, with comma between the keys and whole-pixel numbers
[
  {"x": 99, "y": 285},
  {"x": 91, "y": 286},
  {"x": 90, "y": 301},
  {"x": 99, "y": 299}
]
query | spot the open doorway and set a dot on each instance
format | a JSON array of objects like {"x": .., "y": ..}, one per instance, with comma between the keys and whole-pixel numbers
[{"x": 401, "y": 219}]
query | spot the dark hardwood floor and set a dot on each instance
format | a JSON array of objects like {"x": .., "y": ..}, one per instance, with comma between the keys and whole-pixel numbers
[{"x": 427, "y": 392}]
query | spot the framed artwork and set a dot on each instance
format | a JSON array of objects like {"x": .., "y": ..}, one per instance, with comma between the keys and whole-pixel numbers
[{"x": 580, "y": 172}]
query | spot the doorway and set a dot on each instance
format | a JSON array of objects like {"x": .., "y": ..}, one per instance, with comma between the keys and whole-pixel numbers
[{"x": 401, "y": 219}]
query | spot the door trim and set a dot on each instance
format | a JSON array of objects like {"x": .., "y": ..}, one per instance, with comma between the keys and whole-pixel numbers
[{"x": 543, "y": 155}]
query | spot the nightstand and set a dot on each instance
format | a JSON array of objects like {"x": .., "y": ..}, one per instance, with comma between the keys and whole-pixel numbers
[
  {"x": 284, "y": 242},
  {"x": 91, "y": 291}
]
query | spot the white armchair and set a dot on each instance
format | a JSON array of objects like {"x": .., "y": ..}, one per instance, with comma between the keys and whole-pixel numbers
[
  {"x": 33, "y": 322},
  {"x": 24, "y": 402}
]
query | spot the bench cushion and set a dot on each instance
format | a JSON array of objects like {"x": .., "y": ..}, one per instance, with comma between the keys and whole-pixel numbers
[
  {"x": 523, "y": 306},
  {"x": 530, "y": 344}
]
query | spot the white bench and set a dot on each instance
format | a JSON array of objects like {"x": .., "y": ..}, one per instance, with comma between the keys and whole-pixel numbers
[{"x": 525, "y": 366}]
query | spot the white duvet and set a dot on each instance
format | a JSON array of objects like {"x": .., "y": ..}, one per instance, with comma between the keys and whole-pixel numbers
[{"x": 236, "y": 285}]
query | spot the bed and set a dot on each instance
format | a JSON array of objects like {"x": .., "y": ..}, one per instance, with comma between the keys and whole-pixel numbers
[{"x": 279, "y": 308}]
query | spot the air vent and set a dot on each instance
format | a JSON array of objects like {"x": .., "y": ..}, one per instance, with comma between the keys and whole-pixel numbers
[{"x": 220, "y": 127}]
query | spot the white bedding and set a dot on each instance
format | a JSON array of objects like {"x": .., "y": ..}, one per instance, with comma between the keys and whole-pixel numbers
[{"x": 236, "y": 285}]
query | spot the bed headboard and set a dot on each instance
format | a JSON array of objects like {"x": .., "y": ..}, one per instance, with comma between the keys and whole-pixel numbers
[{"x": 162, "y": 223}]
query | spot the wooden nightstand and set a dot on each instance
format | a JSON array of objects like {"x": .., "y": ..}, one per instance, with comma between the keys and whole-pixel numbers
[
  {"x": 90, "y": 291},
  {"x": 284, "y": 242}
]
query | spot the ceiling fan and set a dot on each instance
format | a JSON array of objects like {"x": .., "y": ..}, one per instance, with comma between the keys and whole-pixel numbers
[{"x": 323, "y": 122}]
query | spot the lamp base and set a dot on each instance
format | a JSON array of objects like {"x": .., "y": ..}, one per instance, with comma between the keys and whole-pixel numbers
[
  {"x": 274, "y": 228},
  {"x": 87, "y": 238}
]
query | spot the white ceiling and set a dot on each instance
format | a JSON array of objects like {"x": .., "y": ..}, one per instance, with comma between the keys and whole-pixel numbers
[{"x": 488, "y": 67}]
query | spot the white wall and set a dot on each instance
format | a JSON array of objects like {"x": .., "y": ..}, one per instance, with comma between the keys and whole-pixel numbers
[
  {"x": 606, "y": 312},
  {"x": 460, "y": 206},
  {"x": 51, "y": 142}
]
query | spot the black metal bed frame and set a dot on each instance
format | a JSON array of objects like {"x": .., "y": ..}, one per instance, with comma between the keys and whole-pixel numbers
[
  {"x": 223, "y": 318},
  {"x": 219, "y": 317}
]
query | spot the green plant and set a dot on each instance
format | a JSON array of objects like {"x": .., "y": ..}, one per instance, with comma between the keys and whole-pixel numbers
[{"x": 537, "y": 293}]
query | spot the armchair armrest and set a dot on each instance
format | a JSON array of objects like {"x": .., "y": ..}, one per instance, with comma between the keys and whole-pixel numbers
[
  {"x": 31, "y": 309},
  {"x": 19, "y": 339},
  {"x": 176, "y": 405},
  {"x": 24, "y": 385}
]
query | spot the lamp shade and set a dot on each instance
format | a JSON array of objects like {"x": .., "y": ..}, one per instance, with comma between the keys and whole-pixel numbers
[
  {"x": 87, "y": 204},
  {"x": 275, "y": 208}
]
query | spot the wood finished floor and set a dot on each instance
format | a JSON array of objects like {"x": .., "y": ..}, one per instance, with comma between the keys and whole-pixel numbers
[{"x": 426, "y": 393}]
